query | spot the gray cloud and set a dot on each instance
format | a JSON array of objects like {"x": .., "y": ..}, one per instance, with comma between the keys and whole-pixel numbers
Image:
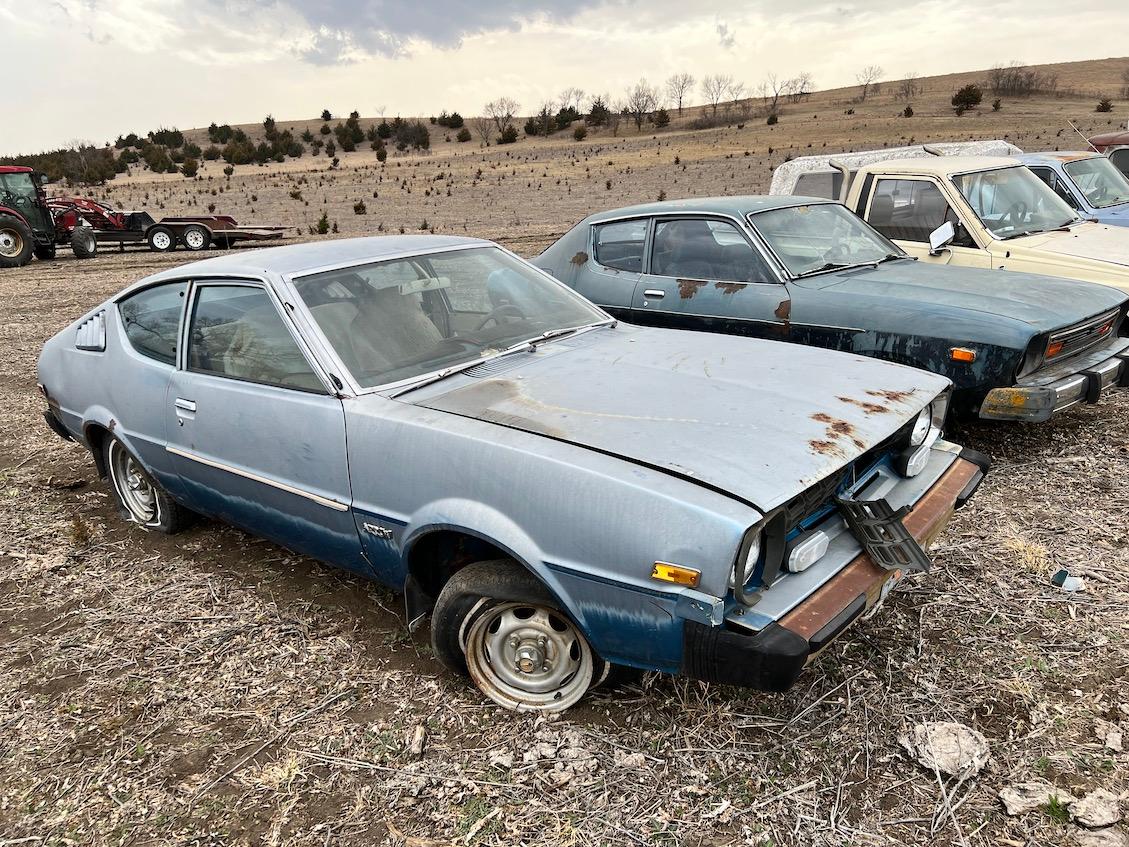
[{"x": 725, "y": 36}]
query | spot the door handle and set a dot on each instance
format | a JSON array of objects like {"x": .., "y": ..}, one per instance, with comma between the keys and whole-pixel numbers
[
  {"x": 654, "y": 292},
  {"x": 185, "y": 405}
]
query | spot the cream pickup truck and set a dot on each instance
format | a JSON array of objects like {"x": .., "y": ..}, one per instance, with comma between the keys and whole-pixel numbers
[{"x": 973, "y": 211}]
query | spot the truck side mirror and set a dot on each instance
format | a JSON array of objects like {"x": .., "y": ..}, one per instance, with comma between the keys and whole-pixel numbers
[
  {"x": 941, "y": 237},
  {"x": 43, "y": 180}
]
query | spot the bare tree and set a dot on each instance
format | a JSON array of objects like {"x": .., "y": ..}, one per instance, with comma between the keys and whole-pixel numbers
[
  {"x": 572, "y": 98},
  {"x": 1125, "y": 79},
  {"x": 677, "y": 87},
  {"x": 615, "y": 114},
  {"x": 798, "y": 87},
  {"x": 771, "y": 90},
  {"x": 501, "y": 112},
  {"x": 484, "y": 129},
  {"x": 908, "y": 88},
  {"x": 641, "y": 101},
  {"x": 714, "y": 89},
  {"x": 867, "y": 77}
]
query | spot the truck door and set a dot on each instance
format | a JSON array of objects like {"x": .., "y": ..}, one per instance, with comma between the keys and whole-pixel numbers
[
  {"x": 705, "y": 274},
  {"x": 907, "y": 209}
]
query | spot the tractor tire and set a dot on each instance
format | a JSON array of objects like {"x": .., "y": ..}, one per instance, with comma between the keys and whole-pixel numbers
[
  {"x": 45, "y": 252},
  {"x": 161, "y": 239},
  {"x": 17, "y": 244},
  {"x": 83, "y": 243},
  {"x": 196, "y": 237}
]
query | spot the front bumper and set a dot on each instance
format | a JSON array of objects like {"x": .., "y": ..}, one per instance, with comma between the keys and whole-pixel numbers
[
  {"x": 772, "y": 659},
  {"x": 1054, "y": 390}
]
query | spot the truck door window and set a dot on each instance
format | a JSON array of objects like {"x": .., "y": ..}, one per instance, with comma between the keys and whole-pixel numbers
[
  {"x": 908, "y": 209},
  {"x": 699, "y": 248},
  {"x": 619, "y": 245},
  {"x": 1120, "y": 159}
]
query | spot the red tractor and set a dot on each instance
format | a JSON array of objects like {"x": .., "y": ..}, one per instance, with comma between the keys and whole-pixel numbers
[{"x": 27, "y": 225}]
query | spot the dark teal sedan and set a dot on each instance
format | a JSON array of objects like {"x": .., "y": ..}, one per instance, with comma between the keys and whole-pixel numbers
[{"x": 1016, "y": 346}]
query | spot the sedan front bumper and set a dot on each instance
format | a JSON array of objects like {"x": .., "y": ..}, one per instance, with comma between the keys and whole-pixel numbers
[
  {"x": 1056, "y": 389},
  {"x": 773, "y": 658}
]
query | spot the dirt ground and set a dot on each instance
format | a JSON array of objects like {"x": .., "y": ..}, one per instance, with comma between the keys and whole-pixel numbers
[{"x": 214, "y": 689}]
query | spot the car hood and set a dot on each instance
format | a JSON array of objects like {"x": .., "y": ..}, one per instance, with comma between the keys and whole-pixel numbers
[
  {"x": 1115, "y": 215},
  {"x": 1043, "y": 302},
  {"x": 760, "y": 420},
  {"x": 1087, "y": 240}
]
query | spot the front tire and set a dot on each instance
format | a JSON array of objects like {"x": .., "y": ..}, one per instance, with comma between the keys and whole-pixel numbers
[
  {"x": 83, "y": 243},
  {"x": 496, "y": 622},
  {"x": 16, "y": 242},
  {"x": 161, "y": 239},
  {"x": 196, "y": 238},
  {"x": 139, "y": 498}
]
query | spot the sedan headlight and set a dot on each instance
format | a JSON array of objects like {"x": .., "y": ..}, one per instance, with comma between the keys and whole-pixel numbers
[
  {"x": 748, "y": 565},
  {"x": 921, "y": 426},
  {"x": 926, "y": 430},
  {"x": 1034, "y": 357}
]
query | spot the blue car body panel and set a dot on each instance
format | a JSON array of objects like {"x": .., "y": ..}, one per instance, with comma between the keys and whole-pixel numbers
[{"x": 1051, "y": 168}]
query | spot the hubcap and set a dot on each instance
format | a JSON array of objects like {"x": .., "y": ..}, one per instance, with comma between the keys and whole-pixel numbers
[
  {"x": 11, "y": 243},
  {"x": 527, "y": 657},
  {"x": 134, "y": 487}
]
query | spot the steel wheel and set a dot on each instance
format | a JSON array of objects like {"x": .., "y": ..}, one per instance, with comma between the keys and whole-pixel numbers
[
  {"x": 527, "y": 657},
  {"x": 196, "y": 238},
  {"x": 134, "y": 488},
  {"x": 11, "y": 243},
  {"x": 162, "y": 240}
]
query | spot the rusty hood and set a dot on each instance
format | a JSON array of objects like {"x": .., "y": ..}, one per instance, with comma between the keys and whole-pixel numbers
[{"x": 761, "y": 420}]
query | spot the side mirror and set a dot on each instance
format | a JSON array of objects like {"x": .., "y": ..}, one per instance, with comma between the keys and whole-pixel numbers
[
  {"x": 43, "y": 180},
  {"x": 941, "y": 237}
]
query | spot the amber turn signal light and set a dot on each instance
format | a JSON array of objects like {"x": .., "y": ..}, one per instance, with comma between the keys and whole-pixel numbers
[
  {"x": 1054, "y": 348},
  {"x": 666, "y": 572},
  {"x": 962, "y": 354}
]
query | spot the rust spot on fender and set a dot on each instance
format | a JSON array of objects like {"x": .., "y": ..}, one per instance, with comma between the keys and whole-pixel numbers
[
  {"x": 730, "y": 287},
  {"x": 580, "y": 258},
  {"x": 687, "y": 288},
  {"x": 866, "y": 406},
  {"x": 784, "y": 310},
  {"x": 112, "y": 425}
]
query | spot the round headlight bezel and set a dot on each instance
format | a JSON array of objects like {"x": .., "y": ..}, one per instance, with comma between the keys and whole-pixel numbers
[
  {"x": 921, "y": 426},
  {"x": 748, "y": 565}
]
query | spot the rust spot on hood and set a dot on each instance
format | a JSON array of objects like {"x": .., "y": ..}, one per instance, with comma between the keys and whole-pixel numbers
[
  {"x": 866, "y": 406},
  {"x": 826, "y": 448},
  {"x": 687, "y": 288},
  {"x": 730, "y": 287},
  {"x": 580, "y": 258},
  {"x": 837, "y": 429},
  {"x": 892, "y": 396}
]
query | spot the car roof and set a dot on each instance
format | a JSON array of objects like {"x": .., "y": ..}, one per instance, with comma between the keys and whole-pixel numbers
[
  {"x": 1119, "y": 137},
  {"x": 738, "y": 205},
  {"x": 946, "y": 165},
  {"x": 1064, "y": 156},
  {"x": 292, "y": 259}
]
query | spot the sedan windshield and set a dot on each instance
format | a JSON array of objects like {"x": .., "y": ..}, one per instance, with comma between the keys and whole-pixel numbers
[
  {"x": 822, "y": 237},
  {"x": 395, "y": 320},
  {"x": 1011, "y": 202},
  {"x": 1102, "y": 183}
]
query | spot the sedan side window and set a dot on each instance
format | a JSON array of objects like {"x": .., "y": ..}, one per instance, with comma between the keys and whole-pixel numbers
[
  {"x": 620, "y": 245},
  {"x": 908, "y": 209},
  {"x": 237, "y": 332},
  {"x": 1054, "y": 181},
  {"x": 152, "y": 320},
  {"x": 1120, "y": 159},
  {"x": 699, "y": 248}
]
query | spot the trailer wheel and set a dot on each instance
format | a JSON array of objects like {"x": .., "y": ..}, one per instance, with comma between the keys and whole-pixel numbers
[
  {"x": 196, "y": 238},
  {"x": 83, "y": 243},
  {"x": 16, "y": 242},
  {"x": 45, "y": 252},
  {"x": 161, "y": 239}
]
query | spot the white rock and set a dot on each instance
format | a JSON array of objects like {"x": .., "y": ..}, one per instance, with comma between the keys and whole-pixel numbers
[
  {"x": 632, "y": 760},
  {"x": 1111, "y": 837},
  {"x": 503, "y": 759},
  {"x": 1023, "y": 797},
  {"x": 951, "y": 748},
  {"x": 1096, "y": 809}
]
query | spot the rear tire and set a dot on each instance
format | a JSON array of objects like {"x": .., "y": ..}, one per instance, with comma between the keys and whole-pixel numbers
[
  {"x": 161, "y": 239},
  {"x": 137, "y": 495},
  {"x": 83, "y": 243},
  {"x": 496, "y": 622},
  {"x": 17, "y": 244},
  {"x": 196, "y": 238},
  {"x": 45, "y": 252}
]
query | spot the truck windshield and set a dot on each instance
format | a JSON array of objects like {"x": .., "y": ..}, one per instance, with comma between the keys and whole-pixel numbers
[
  {"x": 1012, "y": 202},
  {"x": 822, "y": 237},
  {"x": 1102, "y": 183}
]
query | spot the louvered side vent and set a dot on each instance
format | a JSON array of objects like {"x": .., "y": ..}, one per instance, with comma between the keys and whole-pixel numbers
[
  {"x": 498, "y": 365},
  {"x": 91, "y": 333}
]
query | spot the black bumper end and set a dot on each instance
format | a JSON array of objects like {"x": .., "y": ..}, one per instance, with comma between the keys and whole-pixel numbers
[
  {"x": 57, "y": 426},
  {"x": 983, "y": 462},
  {"x": 770, "y": 660}
]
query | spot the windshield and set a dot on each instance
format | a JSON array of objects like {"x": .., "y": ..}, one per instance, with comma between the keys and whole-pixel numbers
[
  {"x": 391, "y": 321},
  {"x": 1011, "y": 202},
  {"x": 821, "y": 236},
  {"x": 1102, "y": 183}
]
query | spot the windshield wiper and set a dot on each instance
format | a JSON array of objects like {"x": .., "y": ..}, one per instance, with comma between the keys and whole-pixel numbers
[
  {"x": 548, "y": 335},
  {"x": 524, "y": 346},
  {"x": 889, "y": 257},
  {"x": 830, "y": 266}
]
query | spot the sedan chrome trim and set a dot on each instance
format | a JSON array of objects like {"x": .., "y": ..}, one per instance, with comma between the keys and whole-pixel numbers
[{"x": 282, "y": 486}]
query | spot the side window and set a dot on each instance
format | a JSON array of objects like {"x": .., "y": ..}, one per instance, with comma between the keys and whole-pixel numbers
[
  {"x": 237, "y": 332},
  {"x": 1052, "y": 179},
  {"x": 826, "y": 184},
  {"x": 620, "y": 245},
  {"x": 151, "y": 319},
  {"x": 1120, "y": 159},
  {"x": 908, "y": 209},
  {"x": 706, "y": 249}
]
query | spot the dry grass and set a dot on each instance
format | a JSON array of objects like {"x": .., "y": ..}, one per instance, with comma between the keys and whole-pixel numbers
[{"x": 215, "y": 689}]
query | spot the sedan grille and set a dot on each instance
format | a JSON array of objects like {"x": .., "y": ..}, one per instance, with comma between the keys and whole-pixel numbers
[{"x": 1082, "y": 336}]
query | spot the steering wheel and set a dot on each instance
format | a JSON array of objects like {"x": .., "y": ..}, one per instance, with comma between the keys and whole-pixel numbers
[
  {"x": 1016, "y": 214},
  {"x": 504, "y": 309},
  {"x": 838, "y": 254}
]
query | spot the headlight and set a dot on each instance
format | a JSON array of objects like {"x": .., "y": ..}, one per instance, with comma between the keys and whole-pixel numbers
[
  {"x": 746, "y": 567},
  {"x": 921, "y": 426},
  {"x": 1033, "y": 358}
]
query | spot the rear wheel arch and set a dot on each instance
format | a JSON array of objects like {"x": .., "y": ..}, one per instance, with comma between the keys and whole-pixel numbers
[{"x": 95, "y": 436}]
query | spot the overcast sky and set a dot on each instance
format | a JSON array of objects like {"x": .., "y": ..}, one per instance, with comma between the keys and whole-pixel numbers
[{"x": 94, "y": 69}]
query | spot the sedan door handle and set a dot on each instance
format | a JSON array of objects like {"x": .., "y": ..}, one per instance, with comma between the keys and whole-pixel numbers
[
  {"x": 654, "y": 292},
  {"x": 186, "y": 405}
]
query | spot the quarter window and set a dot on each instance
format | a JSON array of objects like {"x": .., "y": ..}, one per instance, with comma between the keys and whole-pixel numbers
[
  {"x": 152, "y": 320},
  {"x": 826, "y": 184},
  {"x": 620, "y": 245},
  {"x": 706, "y": 249},
  {"x": 908, "y": 209},
  {"x": 237, "y": 332}
]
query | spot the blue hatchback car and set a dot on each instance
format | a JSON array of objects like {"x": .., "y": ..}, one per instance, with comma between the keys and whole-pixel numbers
[
  {"x": 560, "y": 491},
  {"x": 1089, "y": 183}
]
